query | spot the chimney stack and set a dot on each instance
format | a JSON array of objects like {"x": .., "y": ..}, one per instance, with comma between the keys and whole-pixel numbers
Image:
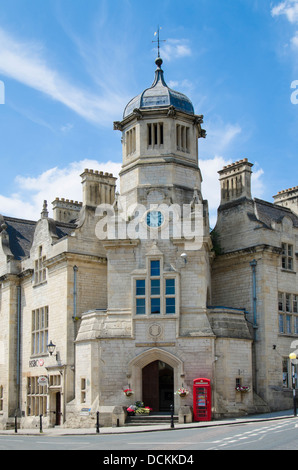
[
  {"x": 235, "y": 181},
  {"x": 98, "y": 188}
]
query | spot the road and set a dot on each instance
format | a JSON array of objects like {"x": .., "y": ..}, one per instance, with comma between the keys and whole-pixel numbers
[{"x": 267, "y": 435}]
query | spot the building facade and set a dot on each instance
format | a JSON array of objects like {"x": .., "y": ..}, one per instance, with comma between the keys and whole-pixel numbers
[{"x": 132, "y": 291}]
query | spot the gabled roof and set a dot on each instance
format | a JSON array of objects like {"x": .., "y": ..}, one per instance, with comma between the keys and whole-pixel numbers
[
  {"x": 267, "y": 213},
  {"x": 21, "y": 234}
]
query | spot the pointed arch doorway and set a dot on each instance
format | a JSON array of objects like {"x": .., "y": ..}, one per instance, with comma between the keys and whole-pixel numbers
[{"x": 158, "y": 386}]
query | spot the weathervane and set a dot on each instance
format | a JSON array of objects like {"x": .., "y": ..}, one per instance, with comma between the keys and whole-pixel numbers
[{"x": 158, "y": 40}]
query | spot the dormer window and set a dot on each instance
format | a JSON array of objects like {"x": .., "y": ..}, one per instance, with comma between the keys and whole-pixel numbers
[{"x": 40, "y": 272}]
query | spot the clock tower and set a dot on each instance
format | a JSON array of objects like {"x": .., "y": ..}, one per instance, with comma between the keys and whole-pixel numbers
[{"x": 160, "y": 133}]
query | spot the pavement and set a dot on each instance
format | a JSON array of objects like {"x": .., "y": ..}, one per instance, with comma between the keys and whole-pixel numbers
[{"x": 62, "y": 431}]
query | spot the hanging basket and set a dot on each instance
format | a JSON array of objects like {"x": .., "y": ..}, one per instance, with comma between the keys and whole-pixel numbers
[
  {"x": 128, "y": 392},
  {"x": 182, "y": 392},
  {"x": 242, "y": 389}
]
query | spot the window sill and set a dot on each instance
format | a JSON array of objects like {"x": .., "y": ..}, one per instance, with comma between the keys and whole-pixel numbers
[
  {"x": 40, "y": 284},
  {"x": 288, "y": 335},
  {"x": 290, "y": 271}
]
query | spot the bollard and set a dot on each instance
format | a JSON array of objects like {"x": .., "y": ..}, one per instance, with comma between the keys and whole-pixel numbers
[
  {"x": 97, "y": 422},
  {"x": 172, "y": 416},
  {"x": 15, "y": 424},
  {"x": 40, "y": 423}
]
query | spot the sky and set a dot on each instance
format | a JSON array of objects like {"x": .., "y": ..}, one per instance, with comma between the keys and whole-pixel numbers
[{"x": 69, "y": 67}]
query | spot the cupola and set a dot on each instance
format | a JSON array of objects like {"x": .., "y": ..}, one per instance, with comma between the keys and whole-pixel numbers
[{"x": 159, "y": 95}]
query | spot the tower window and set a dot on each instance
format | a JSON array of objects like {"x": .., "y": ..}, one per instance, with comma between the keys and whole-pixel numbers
[
  {"x": 140, "y": 296},
  {"x": 160, "y": 298},
  {"x": 155, "y": 134},
  {"x": 182, "y": 138},
  {"x": 131, "y": 141}
]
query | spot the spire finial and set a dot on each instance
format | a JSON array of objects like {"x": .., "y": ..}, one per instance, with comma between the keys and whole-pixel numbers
[
  {"x": 158, "y": 45},
  {"x": 45, "y": 213}
]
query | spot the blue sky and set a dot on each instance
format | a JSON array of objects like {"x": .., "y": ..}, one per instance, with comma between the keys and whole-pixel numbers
[{"x": 69, "y": 67}]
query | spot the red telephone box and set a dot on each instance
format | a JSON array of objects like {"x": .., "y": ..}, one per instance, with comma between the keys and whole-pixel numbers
[{"x": 202, "y": 400}]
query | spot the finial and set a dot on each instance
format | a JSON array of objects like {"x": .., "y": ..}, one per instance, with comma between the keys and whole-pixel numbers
[
  {"x": 158, "y": 63},
  {"x": 45, "y": 213}
]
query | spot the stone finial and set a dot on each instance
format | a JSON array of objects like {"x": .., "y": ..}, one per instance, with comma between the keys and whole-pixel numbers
[{"x": 45, "y": 212}]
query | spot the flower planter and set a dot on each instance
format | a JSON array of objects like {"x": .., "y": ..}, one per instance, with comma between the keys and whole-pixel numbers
[
  {"x": 182, "y": 392},
  {"x": 128, "y": 392}
]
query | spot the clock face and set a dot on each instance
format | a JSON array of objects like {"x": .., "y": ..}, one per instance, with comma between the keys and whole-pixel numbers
[{"x": 154, "y": 219}]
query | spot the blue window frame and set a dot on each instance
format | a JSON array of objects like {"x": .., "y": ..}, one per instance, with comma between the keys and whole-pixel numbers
[
  {"x": 170, "y": 305},
  {"x": 140, "y": 297},
  {"x": 155, "y": 286},
  {"x": 140, "y": 287},
  {"x": 170, "y": 286},
  {"x": 140, "y": 306},
  {"x": 155, "y": 268},
  {"x": 155, "y": 305}
]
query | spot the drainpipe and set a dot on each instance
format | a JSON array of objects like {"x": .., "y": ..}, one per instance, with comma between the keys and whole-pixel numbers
[
  {"x": 75, "y": 270},
  {"x": 18, "y": 348},
  {"x": 74, "y": 317},
  {"x": 253, "y": 265}
]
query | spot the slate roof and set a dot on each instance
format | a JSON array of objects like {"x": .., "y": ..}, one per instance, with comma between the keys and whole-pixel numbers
[
  {"x": 21, "y": 234},
  {"x": 267, "y": 213}
]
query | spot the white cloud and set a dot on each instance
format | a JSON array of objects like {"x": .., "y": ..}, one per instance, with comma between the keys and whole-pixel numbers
[
  {"x": 289, "y": 8},
  {"x": 25, "y": 63},
  {"x": 175, "y": 49},
  {"x": 211, "y": 186},
  {"x": 27, "y": 202},
  {"x": 221, "y": 136},
  {"x": 55, "y": 182}
]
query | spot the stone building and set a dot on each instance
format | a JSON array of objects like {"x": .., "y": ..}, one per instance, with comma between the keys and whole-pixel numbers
[{"x": 131, "y": 290}]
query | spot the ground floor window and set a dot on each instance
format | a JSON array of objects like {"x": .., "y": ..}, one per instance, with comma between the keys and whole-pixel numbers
[
  {"x": 36, "y": 397},
  {"x": 288, "y": 313},
  {"x": 289, "y": 373},
  {"x": 40, "y": 323}
]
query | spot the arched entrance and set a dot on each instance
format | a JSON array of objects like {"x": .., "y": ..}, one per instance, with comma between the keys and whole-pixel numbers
[
  {"x": 138, "y": 363},
  {"x": 158, "y": 386}
]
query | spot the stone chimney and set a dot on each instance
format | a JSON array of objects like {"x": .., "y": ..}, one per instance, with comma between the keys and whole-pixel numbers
[
  {"x": 98, "y": 188},
  {"x": 65, "y": 210},
  {"x": 235, "y": 181},
  {"x": 288, "y": 198}
]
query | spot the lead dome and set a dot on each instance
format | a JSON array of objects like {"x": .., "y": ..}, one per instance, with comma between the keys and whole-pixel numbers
[{"x": 159, "y": 95}]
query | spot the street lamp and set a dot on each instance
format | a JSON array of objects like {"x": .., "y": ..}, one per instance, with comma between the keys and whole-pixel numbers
[
  {"x": 51, "y": 348},
  {"x": 292, "y": 357}
]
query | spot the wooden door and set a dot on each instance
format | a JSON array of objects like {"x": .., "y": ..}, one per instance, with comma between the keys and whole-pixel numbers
[{"x": 150, "y": 383}]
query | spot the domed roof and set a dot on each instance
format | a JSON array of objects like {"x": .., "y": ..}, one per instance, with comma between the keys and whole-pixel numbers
[{"x": 159, "y": 95}]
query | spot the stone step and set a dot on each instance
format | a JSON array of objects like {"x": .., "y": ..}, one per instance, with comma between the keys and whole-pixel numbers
[{"x": 141, "y": 420}]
